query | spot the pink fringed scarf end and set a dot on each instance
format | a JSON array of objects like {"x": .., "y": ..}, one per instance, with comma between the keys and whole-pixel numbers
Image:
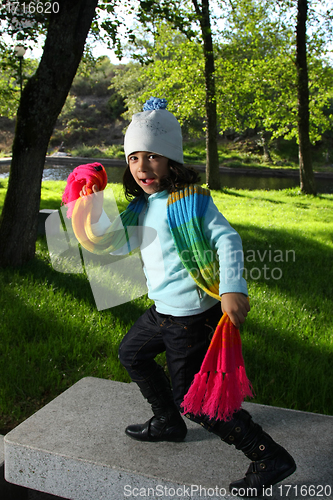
[
  {"x": 221, "y": 385},
  {"x": 88, "y": 175},
  {"x": 196, "y": 394}
]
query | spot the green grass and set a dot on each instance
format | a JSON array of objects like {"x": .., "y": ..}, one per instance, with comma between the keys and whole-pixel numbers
[
  {"x": 52, "y": 334},
  {"x": 288, "y": 336}
]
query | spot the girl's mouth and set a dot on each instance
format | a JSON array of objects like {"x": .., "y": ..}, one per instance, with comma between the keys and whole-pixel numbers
[{"x": 147, "y": 182}]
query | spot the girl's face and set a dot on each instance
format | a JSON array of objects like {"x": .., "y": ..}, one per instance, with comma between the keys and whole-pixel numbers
[{"x": 148, "y": 169}]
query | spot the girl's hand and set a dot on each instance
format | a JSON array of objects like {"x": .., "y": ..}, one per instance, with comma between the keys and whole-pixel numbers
[
  {"x": 97, "y": 207},
  {"x": 236, "y": 305}
]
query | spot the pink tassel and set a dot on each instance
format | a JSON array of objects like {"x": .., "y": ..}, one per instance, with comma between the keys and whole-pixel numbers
[
  {"x": 214, "y": 391},
  {"x": 247, "y": 389},
  {"x": 221, "y": 385},
  {"x": 193, "y": 399},
  {"x": 233, "y": 399}
]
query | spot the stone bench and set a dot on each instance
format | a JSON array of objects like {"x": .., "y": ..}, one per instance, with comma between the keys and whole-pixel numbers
[
  {"x": 42, "y": 216},
  {"x": 9, "y": 491},
  {"x": 75, "y": 447}
]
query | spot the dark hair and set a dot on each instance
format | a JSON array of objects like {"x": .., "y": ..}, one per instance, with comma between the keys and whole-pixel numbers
[{"x": 178, "y": 176}]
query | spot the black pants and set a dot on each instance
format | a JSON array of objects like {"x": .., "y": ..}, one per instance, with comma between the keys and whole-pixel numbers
[{"x": 185, "y": 340}]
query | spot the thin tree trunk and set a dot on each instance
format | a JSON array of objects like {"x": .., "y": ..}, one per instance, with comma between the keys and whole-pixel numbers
[
  {"x": 307, "y": 182},
  {"x": 41, "y": 102},
  {"x": 212, "y": 160},
  {"x": 267, "y": 154}
]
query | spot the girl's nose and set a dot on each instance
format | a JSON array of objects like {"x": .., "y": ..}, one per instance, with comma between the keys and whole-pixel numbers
[{"x": 142, "y": 164}]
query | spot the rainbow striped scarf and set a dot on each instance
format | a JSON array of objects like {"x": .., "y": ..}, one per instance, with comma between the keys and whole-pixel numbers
[
  {"x": 118, "y": 233},
  {"x": 186, "y": 210},
  {"x": 221, "y": 385}
]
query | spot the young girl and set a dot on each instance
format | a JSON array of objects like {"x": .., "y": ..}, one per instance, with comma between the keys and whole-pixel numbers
[{"x": 184, "y": 316}]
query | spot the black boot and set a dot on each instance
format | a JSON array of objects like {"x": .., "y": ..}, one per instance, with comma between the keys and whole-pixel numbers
[
  {"x": 167, "y": 423},
  {"x": 271, "y": 463}
]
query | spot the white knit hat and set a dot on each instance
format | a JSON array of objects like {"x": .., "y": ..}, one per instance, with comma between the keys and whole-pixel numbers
[{"x": 156, "y": 130}]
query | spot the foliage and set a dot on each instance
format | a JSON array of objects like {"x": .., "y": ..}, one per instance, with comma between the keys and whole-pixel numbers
[
  {"x": 129, "y": 82},
  {"x": 255, "y": 75},
  {"x": 91, "y": 109},
  {"x": 174, "y": 68},
  {"x": 182, "y": 15},
  {"x": 25, "y": 25},
  {"x": 262, "y": 41},
  {"x": 68, "y": 109},
  {"x": 28, "y": 27},
  {"x": 10, "y": 80},
  {"x": 93, "y": 77},
  {"x": 116, "y": 106},
  {"x": 178, "y": 71}
]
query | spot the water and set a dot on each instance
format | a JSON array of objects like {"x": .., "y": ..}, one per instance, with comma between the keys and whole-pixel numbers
[
  {"x": 252, "y": 182},
  {"x": 61, "y": 172},
  {"x": 233, "y": 181}
]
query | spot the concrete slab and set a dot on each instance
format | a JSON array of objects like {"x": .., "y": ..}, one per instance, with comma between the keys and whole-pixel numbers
[
  {"x": 2, "y": 450},
  {"x": 75, "y": 447},
  {"x": 9, "y": 491},
  {"x": 42, "y": 216}
]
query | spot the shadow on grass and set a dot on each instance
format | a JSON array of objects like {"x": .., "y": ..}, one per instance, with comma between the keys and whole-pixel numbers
[
  {"x": 305, "y": 264},
  {"x": 46, "y": 349},
  {"x": 240, "y": 194},
  {"x": 287, "y": 370},
  {"x": 286, "y": 338},
  {"x": 77, "y": 285}
]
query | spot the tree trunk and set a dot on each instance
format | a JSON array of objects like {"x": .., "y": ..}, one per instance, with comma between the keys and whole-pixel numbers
[
  {"x": 42, "y": 100},
  {"x": 307, "y": 181},
  {"x": 265, "y": 141},
  {"x": 212, "y": 160}
]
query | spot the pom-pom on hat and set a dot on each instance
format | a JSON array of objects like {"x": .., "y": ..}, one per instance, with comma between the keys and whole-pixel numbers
[{"x": 156, "y": 130}]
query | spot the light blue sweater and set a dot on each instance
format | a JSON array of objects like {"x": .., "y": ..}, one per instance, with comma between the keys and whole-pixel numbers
[{"x": 169, "y": 284}]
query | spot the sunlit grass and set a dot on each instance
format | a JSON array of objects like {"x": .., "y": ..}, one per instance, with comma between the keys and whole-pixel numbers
[
  {"x": 52, "y": 334},
  {"x": 288, "y": 337}
]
